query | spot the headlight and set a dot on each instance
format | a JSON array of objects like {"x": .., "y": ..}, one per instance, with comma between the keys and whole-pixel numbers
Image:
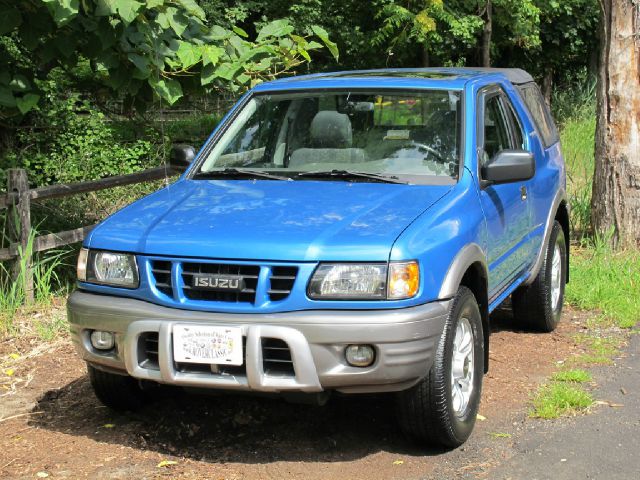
[
  {"x": 108, "y": 268},
  {"x": 364, "y": 281}
]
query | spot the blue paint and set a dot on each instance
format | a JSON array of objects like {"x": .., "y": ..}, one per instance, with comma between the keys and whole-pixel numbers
[{"x": 302, "y": 223}]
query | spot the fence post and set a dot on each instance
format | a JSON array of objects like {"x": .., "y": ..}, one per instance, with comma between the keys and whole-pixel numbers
[{"x": 19, "y": 219}]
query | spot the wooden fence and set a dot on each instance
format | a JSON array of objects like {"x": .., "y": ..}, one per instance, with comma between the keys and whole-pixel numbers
[{"x": 18, "y": 200}]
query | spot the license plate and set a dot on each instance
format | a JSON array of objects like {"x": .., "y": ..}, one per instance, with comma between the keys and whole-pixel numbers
[{"x": 207, "y": 344}]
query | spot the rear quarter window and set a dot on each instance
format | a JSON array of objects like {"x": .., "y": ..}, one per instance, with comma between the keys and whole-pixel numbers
[{"x": 534, "y": 101}]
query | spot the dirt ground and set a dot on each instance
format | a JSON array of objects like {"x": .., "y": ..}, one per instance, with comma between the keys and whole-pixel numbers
[{"x": 52, "y": 426}]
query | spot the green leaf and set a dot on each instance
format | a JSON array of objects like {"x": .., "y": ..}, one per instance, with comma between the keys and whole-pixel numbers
[
  {"x": 6, "y": 97},
  {"x": 243, "y": 78},
  {"x": 262, "y": 65},
  {"x": 105, "y": 8},
  {"x": 189, "y": 54},
  {"x": 324, "y": 36},
  {"x": 27, "y": 102},
  {"x": 141, "y": 63},
  {"x": 218, "y": 33},
  {"x": 211, "y": 54},
  {"x": 208, "y": 74},
  {"x": 313, "y": 45},
  {"x": 62, "y": 11},
  {"x": 10, "y": 19},
  {"x": 20, "y": 83},
  {"x": 227, "y": 70},
  {"x": 128, "y": 9},
  {"x": 304, "y": 54},
  {"x": 177, "y": 20},
  {"x": 240, "y": 32},
  {"x": 154, "y": 3},
  {"x": 277, "y": 28},
  {"x": 193, "y": 8},
  {"x": 170, "y": 90}
]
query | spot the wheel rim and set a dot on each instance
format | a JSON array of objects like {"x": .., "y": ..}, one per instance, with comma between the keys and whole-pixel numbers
[
  {"x": 556, "y": 277},
  {"x": 462, "y": 367}
]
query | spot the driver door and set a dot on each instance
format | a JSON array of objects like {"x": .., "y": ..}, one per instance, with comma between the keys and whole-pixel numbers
[{"x": 505, "y": 205}]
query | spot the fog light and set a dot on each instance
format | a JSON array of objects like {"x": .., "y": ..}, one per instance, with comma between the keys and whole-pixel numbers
[
  {"x": 102, "y": 340},
  {"x": 360, "y": 355}
]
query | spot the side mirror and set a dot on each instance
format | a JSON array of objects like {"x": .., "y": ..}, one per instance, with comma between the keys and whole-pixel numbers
[
  {"x": 181, "y": 157},
  {"x": 509, "y": 166}
]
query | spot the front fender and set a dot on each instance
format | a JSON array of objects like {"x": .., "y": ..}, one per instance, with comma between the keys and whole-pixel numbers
[{"x": 446, "y": 239}]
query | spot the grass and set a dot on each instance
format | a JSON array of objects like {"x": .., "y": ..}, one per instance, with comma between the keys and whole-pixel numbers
[
  {"x": 572, "y": 376},
  {"x": 45, "y": 281},
  {"x": 558, "y": 399},
  {"x": 577, "y": 137},
  {"x": 600, "y": 350},
  {"x": 606, "y": 280},
  {"x": 51, "y": 326}
]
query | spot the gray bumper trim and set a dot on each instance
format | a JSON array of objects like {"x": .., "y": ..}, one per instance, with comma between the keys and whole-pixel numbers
[{"x": 405, "y": 342}]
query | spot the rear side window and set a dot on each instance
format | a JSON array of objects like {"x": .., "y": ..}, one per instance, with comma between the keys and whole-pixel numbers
[{"x": 534, "y": 101}]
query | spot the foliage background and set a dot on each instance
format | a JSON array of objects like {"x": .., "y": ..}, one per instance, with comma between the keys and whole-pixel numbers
[{"x": 90, "y": 88}]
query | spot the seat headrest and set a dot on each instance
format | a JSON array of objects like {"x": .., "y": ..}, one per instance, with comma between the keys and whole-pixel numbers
[{"x": 331, "y": 129}]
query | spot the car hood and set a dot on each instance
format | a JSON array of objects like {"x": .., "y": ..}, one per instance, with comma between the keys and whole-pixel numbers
[{"x": 268, "y": 220}]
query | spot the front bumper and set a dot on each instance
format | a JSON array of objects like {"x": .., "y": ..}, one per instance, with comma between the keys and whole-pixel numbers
[{"x": 405, "y": 341}]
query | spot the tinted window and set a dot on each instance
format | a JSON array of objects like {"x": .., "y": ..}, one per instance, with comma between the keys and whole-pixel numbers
[
  {"x": 518, "y": 137},
  {"x": 496, "y": 131},
  {"x": 541, "y": 117}
]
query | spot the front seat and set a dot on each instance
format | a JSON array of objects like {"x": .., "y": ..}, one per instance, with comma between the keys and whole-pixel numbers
[{"x": 331, "y": 140}]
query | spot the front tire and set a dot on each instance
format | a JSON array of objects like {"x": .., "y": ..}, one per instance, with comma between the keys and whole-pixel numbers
[
  {"x": 539, "y": 305},
  {"x": 441, "y": 409},
  {"x": 118, "y": 392}
]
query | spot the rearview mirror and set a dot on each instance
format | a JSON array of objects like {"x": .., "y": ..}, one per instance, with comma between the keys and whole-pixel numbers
[
  {"x": 509, "y": 166},
  {"x": 181, "y": 157}
]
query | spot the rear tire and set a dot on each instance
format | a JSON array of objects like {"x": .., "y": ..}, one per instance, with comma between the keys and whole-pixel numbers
[
  {"x": 539, "y": 305},
  {"x": 118, "y": 392},
  {"x": 441, "y": 409}
]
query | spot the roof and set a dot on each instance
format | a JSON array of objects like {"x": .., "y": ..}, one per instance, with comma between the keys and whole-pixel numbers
[{"x": 451, "y": 78}]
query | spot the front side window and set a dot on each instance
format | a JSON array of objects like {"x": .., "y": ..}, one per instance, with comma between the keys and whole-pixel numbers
[
  {"x": 383, "y": 133},
  {"x": 496, "y": 130}
]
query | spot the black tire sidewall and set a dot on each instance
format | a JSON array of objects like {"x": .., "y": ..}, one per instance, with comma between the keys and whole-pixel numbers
[{"x": 464, "y": 305}]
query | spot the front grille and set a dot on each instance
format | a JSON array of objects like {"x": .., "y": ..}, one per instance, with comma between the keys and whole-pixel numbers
[
  {"x": 281, "y": 282},
  {"x": 276, "y": 358},
  {"x": 278, "y": 283},
  {"x": 161, "y": 271},
  {"x": 148, "y": 350},
  {"x": 249, "y": 274}
]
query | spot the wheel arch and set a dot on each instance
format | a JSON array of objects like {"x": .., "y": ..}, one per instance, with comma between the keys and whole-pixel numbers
[
  {"x": 559, "y": 211},
  {"x": 469, "y": 269}
]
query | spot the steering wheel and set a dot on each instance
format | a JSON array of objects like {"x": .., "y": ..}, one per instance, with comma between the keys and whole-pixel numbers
[{"x": 425, "y": 148}]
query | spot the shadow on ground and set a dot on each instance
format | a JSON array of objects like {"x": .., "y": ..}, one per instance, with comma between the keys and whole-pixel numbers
[
  {"x": 232, "y": 428},
  {"x": 236, "y": 428}
]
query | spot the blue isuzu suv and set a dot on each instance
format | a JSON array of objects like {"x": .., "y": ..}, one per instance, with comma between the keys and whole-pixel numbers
[{"x": 347, "y": 232}]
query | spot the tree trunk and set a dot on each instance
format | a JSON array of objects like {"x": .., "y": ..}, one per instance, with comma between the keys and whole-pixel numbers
[
  {"x": 615, "y": 205},
  {"x": 486, "y": 35},
  {"x": 425, "y": 55}
]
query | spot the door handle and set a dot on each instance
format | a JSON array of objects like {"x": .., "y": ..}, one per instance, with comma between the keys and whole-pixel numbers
[{"x": 523, "y": 192}]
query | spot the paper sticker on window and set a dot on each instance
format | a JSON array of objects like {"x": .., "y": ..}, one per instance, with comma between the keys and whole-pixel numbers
[{"x": 397, "y": 135}]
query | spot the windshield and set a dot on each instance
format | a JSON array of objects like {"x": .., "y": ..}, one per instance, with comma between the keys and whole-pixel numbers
[{"x": 404, "y": 135}]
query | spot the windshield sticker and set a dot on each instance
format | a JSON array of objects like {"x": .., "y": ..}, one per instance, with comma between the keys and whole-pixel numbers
[{"x": 397, "y": 135}]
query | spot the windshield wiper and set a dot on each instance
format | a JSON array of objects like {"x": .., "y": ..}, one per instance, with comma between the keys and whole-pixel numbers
[
  {"x": 239, "y": 173},
  {"x": 349, "y": 174}
]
